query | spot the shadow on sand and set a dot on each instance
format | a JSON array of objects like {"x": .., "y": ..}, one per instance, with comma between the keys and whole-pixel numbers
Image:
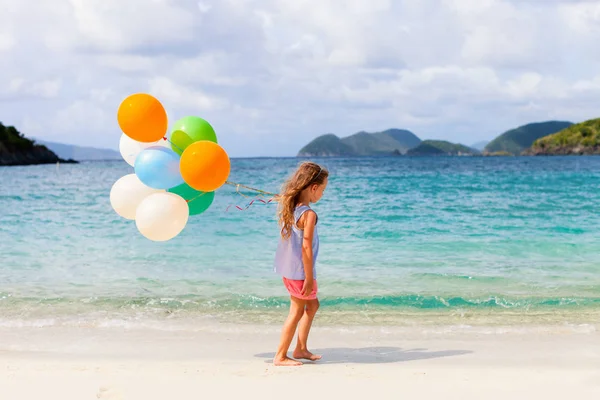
[{"x": 372, "y": 355}]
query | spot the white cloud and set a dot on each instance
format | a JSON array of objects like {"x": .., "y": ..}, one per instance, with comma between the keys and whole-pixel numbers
[
  {"x": 582, "y": 17},
  {"x": 272, "y": 74},
  {"x": 47, "y": 88},
  {"x": 524, "y": 85},
  {"x": 19, "y": 87},
  {"x": 127, "y": 62},
  {"x": 591, "y": 85},
  {"x": 81, "y": 116},
  {"x": 175, "y": 95},
  {"x": 116, "y": 25},
  {"x": 217, "y": 68},
  {"x": 7, "y": 42},
  {"x": 204, "y": 7}
]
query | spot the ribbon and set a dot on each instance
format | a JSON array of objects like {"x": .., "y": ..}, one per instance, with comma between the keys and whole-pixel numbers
[
  {"x": 249, "y": 204},
  {"x": 262, "y": 192}
]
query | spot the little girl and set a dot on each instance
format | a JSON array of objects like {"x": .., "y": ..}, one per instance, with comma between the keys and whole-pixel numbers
[{"x": 296, "y": 256}]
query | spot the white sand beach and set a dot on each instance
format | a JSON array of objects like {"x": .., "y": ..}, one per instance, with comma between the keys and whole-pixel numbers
[{"x": 228, "y": 361}]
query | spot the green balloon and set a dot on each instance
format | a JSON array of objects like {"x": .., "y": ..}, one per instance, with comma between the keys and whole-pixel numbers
[
  {"x": 198, "y": 201},
  {"x": 189, "y": 130}
]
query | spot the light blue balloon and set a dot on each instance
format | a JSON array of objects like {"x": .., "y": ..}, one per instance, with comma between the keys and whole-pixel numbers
[{"x": 158, "y": 167}]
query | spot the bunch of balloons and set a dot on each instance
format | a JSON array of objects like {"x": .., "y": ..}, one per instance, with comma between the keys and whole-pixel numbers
[{"x": 175, "y": 176}]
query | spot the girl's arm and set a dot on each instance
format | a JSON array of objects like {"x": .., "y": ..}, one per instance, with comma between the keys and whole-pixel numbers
[{"x": 310, "y": 219}]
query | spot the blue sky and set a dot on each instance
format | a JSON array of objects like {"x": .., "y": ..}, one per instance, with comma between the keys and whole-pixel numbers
[{"x": 271, "y": 75}]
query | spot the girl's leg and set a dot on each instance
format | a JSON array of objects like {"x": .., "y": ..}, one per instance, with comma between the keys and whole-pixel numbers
[
  {"x": 303, "y": 330},
  {"x": 287, "y": 333}
]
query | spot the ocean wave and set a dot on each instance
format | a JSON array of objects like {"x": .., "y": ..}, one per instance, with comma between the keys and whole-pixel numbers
[{"x": 244, "y": 302}]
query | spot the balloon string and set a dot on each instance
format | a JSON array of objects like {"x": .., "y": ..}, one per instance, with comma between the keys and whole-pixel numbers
[
  {"x": 240, "y": 193},
  {"x": 261, "y": 193},
  {"x": 236, "y": 206},
  {"x": 194, "y": 198},
  {"x": 239, "y": 185},
  {"x": 173, "y": 144}
]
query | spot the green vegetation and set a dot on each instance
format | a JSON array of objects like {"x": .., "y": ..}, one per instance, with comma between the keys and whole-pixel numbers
[
  {"x": 11, "y": 138},
  {"x": 441, "y": 147},
  {"x": 549, "y": 137},
  {"x": 583, "y": 138},
  {"x": 16, "y": 149},
  {"x": 372, "y": 144},
  {"x": 425, "y": 149},
  {"x": 327, "y": 145},
  {"x": 391, "y": 141},
  {"x": 517, "y": 140},
  {"x": 406, "y": 138}
]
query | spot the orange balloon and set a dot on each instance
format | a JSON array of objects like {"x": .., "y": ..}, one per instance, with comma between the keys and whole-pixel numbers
[
  {"x": 205, "y": 166},
  {"x": 142, "y": 118}
]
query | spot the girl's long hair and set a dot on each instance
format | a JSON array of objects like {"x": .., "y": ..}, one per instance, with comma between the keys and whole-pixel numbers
[{"x": 307, "y": 174}]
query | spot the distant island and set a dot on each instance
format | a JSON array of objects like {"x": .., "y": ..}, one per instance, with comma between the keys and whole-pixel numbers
[
  {"x": 81, "y": 153},
  {"x": 441, "y": 148},
  {"x": 16, "y": 149},
  {"x": 580, "y": 139},
  {"x": 534, "y": 139},
  {"x": 515, "y": 141},
  {"x": 391, "y": 141},
  {"x": 538, "y": 138}
]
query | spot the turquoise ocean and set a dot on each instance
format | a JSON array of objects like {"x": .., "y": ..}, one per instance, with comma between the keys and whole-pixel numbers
[{"x": 404, "y": 241}]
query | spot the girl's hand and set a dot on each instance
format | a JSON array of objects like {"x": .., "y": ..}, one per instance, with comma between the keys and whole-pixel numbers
[{"x": 307, "y": 287}]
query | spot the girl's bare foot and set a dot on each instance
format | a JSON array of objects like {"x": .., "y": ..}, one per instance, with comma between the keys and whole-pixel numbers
[
  {"x": 306, "y": 355},
  {"x": 286, "y": 362}
]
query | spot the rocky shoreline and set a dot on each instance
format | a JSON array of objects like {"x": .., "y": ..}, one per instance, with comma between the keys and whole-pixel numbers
[
  {"x": 16, "y": 149},
  {"x": 563, "y": 151},
  {"x": 36, "y": 155}
]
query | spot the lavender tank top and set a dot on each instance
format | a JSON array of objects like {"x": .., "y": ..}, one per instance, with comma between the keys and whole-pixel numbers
[{"x": 288, "y": 258}]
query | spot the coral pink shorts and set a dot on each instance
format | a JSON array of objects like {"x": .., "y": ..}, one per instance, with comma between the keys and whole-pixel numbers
[{"x": 294, "y": 287}]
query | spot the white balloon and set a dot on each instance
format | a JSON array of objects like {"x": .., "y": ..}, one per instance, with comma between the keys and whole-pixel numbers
[
  {"x": 162, "y": 216},
  {"x": 127, "y": 193},
  {"x": 130, "y": 148}
]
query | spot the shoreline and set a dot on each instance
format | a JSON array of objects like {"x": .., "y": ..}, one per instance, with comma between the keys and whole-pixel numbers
[
  {"x": 234, "y": 360},
  {"x": 177, "y": 319}
]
